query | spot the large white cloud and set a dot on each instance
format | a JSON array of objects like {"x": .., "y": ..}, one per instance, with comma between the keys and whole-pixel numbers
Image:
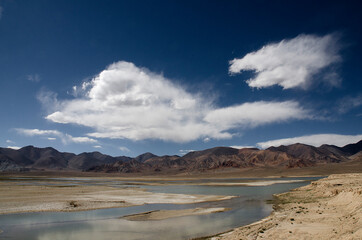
[
  {"x": 314, "y": 140},
  {"x": 255, "y": 114},
  {"x": 125, "y": 101},
  {"x": 291, "y": 63}
]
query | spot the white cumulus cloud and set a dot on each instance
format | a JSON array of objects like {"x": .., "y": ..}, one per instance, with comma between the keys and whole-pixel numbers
[
  {"x": 128, "y": 102},
  {"x": 291, "y": 63},
  {"x": 314, "y": 140}
]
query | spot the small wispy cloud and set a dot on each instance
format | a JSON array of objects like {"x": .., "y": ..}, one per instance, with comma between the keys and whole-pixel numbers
[
  {"x": 14, "y": 147},
  {"x": 207, "y": 139},
  {"x": 292, "y": 63},
  {"x": 33, "y": 77},
  {"x": 66, "y": 138},
  {"x": 314, "y": 140},
  {"x": 241, "y": 147},
  {"x": 97, "y": 146},
  {"x": 81, "y": 139},
  {"x": 48, "y": 99},
  {"x": 9, "y": 141},
  {"x": 52, "y": 138},
  {"x": 38, "y": 132},
  {"x": 348, "y": 103},
  {"x": 124, "y": 149},
  {"x": 184, "y": 151}
]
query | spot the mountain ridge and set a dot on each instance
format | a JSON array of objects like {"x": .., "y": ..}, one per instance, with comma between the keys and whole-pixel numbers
[{"x": 296, "y": 155}]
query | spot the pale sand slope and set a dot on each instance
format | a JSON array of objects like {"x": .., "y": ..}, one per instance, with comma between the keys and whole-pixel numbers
[
  {"x": 330, "y": 208},
  {"x": 34, "y": 198},
  {"x": 251, "y": 183},
  {"x": 164, "y": 214}
]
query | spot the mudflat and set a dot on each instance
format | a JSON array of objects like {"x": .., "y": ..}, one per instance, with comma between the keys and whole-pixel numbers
[
  {"x": 329, "y": 208},
  {"x": 27, "y": 196}
]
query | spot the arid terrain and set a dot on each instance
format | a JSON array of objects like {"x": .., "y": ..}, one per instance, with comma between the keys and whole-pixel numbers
[
  {"x": 329, "y": 208},
  {"x": 31, "y": 181},
  {"x": 29, "y": 196}
]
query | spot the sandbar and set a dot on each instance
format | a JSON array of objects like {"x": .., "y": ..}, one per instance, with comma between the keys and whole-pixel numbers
[
  {"x": 165, "y": 214},
  {"x": 251, "y": 183},
  {"x": 20, "y": 198}
]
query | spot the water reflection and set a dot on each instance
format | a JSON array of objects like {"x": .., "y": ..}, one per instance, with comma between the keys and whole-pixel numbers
[
  {"x": 175, "y": 228},
  {"x": 107, "y": 223}
]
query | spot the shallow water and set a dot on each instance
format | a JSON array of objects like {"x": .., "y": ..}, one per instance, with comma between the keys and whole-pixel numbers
[{"x": 248, "y": 207}]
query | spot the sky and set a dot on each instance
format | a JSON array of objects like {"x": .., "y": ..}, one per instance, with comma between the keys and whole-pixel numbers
[{"x": 169, "y": 77}]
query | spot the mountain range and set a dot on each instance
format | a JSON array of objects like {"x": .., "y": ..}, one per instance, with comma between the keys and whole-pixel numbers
[{"x": 298, "y": 155}]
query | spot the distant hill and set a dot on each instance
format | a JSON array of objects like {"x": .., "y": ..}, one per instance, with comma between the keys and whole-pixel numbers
[
  {"x": 291, "y": 156},
  {"x": 29, "y": 158},
  {"x": 144, "y": 157}
]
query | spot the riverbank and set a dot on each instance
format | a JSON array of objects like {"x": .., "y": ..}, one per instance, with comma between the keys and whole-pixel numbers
[
  {"x": 330, "y": 208},
  {"x": 28, "y": 196}
]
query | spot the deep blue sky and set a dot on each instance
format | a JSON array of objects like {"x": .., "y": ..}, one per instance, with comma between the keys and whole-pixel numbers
[{"x": 47, "y": 47}]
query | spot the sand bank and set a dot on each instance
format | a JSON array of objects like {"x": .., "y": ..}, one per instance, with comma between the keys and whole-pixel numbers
[
  {"x": 164, "y": 214},
  {"x": 329, "y": 208},
  {"x": 251, "y": 183},
  {"x": 15, "y": 198}
]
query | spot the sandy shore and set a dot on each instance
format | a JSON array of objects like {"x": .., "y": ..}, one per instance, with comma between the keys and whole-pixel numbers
[
  {"x": 29, "y": 197},
  {"x": 164, "y": 214},
  {"x": 250, "y": 183},
  {"x": 329, "y": 208}
]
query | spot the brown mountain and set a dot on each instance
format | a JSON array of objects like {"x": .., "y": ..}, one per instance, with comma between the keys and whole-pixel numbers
[
  {"x": 144, "y": 157},
  {"x": 166, "y": 163},
  {"x": 29, "y": 157},
  {"x": 291, "y": 156},
  {"x": 311, "y": 154},
  {"x": 86, "y": 160},
  {"x": 132, "y": 166}
]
